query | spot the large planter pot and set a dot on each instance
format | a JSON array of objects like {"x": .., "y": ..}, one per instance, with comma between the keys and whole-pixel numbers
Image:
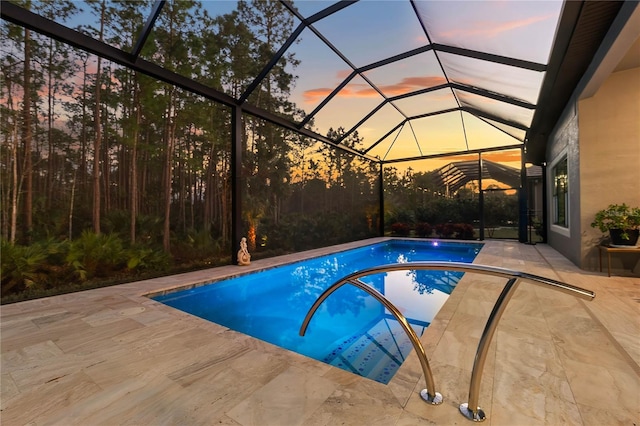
[{"x": 617, "y": 240}]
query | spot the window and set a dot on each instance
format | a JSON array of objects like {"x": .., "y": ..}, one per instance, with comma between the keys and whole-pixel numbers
[{"x": 561, "y": 193}]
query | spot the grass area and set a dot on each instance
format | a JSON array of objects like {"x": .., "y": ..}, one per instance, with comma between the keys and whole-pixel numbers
[{"x": 498, "y": 232}]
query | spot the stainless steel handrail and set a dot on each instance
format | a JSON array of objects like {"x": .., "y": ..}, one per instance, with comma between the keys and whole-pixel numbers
[
  {"x": 476, "y": 413},
  {"x": 429, "y": 394},
  {"x": 471, "y": 267},
  {"x": 470, "y": 410}
]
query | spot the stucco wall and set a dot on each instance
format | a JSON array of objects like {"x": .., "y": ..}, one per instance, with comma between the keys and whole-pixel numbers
[{"x": 609, "y": 142}]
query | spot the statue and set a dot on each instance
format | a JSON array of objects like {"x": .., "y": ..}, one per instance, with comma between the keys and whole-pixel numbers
[{"x": 244, "y": 258}]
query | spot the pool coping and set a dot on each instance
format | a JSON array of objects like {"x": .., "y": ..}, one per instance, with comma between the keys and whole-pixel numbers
[{"x": 287, "y": 259}]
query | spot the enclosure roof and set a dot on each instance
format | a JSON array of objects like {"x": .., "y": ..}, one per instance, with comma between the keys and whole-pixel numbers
[
  {"x": 453, "y": 176},
  {"x": 413, "y": 79}
]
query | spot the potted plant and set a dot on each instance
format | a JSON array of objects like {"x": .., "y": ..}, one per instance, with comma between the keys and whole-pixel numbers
[{"x": 622, "y": 222}]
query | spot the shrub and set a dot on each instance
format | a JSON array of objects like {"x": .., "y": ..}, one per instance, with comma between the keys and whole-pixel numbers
[
  {"x": 400, "y": 229},
  {"x": 463, "y": 231},
  {"x": 94, "y": 255},
  {"x": 141, "y": 258},
  {"x": 398, "y": 216},
  {"x": 460, "y": 231},
  {"x": 423, "y": 229},
  {"x": 444, "y": 230},
  {"x": 21, "y": 266}
]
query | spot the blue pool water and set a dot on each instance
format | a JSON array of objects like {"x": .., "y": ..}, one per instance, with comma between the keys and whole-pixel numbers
[{"x": 351, "y": 330}]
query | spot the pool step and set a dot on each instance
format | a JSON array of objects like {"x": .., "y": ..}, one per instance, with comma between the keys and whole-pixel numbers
[{"x": 377, "y": 353}]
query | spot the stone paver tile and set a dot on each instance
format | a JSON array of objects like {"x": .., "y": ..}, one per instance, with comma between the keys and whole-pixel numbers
[{"x": 289, "y": 399}]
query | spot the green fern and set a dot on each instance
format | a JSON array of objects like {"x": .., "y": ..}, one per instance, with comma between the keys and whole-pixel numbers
[
  {"x": 21, "y": 266},
  {"x": 94, "y": 255}
]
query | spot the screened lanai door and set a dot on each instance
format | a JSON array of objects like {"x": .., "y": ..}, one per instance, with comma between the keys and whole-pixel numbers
[{"x": 501, "y": 212}]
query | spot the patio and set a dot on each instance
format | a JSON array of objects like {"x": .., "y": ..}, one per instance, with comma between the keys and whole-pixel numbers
[{"x": 113, "y": 356}]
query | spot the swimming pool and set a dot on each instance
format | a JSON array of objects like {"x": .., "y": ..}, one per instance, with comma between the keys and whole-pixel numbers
[{"x": 351, "y": 330}]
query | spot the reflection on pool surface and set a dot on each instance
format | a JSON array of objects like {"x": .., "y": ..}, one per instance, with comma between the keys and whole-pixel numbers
[{"x": 351, "y": 330}]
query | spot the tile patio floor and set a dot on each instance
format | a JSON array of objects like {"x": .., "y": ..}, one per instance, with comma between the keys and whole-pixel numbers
[{"x": 112, "y": 356}]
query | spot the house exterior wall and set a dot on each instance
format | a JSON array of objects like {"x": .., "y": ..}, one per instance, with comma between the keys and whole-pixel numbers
[
  {"x": 599, "y": 131},
  {"x": 564, "y": 142},
  {"x": 600, "y": 136},
  {"x": 609, "y": 141}
]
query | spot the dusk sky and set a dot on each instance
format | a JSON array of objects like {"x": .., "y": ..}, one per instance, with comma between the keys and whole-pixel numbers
[{"x": 372, "y": 30}]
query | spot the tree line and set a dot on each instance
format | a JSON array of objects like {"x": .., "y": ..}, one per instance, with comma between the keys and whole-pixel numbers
[{"x": 90, "y": 147}]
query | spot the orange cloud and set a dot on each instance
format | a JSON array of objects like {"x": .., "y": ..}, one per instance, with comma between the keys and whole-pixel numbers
[
  {"x": 411, "y": 84},
  {"x": 406, "y": 85},
  {"x": 421, "y": 40},
  {"x": 342, "y": 74},
  {"x": 313, "y": 94},
  {"x": 422, "y": 82},
  {"x": 511, "y": 156},
  {"x": 493, "y": 29},
  {"x": 358, "y": 91},
  {"x": 349, "y": 91}
]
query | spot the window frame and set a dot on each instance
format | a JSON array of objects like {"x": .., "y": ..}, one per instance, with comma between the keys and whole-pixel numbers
[{"x": 555, "y": 205}]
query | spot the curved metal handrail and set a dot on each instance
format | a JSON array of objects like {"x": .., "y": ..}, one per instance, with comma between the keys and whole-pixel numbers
[
  {"x": 470, "y": 410},
  {"x": 429, "y": 394},
  {"x": 471, "y": 267}
]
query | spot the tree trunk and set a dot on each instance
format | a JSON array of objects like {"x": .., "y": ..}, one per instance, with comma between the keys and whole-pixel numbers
[
  {"x": 209, "y": 190},
  {"x": 14, "y": 171},
  {"x": 134, "y": 165},
  {"x": 225, "y": 201},
  {"x": 169, "y": 135},
  {"x": 27, "y": 139},
  {"x": 73, "y": 193},
  {"x": 50, "y": 105},
  {"x": 97, "y": 146},
  {"x": 15, "y": 191},
  {"x": 83, "y": 135},
  {"x": 106, "y": 163},
  {"x": 10, "y": 192}
]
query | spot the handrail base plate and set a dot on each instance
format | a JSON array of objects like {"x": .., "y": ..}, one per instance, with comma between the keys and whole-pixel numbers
[
  {"x": 478, "y": 416},
  {"x": 435, "y": 400}
]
